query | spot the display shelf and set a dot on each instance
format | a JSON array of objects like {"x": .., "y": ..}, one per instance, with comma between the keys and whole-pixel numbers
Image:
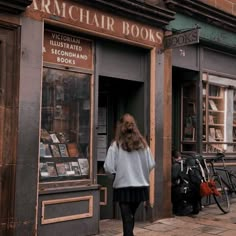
[
  {"x": 188, "y": 116},
  {"x": 213, "y": 115}
]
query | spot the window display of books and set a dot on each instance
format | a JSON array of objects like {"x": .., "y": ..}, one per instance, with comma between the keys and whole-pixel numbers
[
  {"x": 65, "y": 169},
  {"x": 66, "y": 158},
  {"x": 45, "y": 150},
  {"x": 84, "y": 166},
  {"x": 55, "y": 150},
  {"x": 68, "y": 169},
  {"x": 65, "y": 124},
  {"x": 57, "y": 145},
  {"x": 47, "y": 169},
  {"x": 212, "y": 105}
]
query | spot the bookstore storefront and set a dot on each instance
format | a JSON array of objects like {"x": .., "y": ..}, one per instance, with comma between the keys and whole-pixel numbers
[
  {"x": 206, "y": 103},
  {"x": 205, "y": 87},
  {"x": 81, "y": 68}
]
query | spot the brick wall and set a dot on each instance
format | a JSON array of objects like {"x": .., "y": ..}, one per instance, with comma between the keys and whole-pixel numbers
[{"x": 228, "y": 6}]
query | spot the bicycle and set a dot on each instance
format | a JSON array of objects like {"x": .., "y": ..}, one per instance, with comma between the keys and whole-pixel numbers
[
  {"x": 221, "y": 187},
  {"x": 225, "y": 185}
]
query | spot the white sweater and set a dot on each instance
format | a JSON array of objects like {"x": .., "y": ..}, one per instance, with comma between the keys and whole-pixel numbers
[{"x": 131, "y": 169}]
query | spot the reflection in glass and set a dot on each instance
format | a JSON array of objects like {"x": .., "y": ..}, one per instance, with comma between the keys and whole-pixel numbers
[{"x": 65, "y": 121}]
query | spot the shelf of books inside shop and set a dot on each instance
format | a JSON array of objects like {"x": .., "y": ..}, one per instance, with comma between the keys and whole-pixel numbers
[
  {"x": 234, "y": 120},
  {"x": 234, "y": 137},
  {"x": 213, "y": 107},
  {"x": 188, "y": 119},
  {"x": 61, "y": 158},
  {"x": 213, "y": 147},
  {"x": 213, "y": 134}
]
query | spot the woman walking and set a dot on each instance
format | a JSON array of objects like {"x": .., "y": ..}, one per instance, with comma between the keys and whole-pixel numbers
[{"x": 130, "y": 160}]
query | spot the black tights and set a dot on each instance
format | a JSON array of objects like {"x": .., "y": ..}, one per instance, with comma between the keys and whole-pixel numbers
[{"x": 128, "y": 210}]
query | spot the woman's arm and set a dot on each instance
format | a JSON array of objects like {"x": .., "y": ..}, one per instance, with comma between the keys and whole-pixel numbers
[{"x": 110, "y": 161}]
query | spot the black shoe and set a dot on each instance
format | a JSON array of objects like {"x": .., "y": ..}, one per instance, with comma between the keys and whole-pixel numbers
[
  {"x": 195, "y": 212},
  {"x": 196, "y": 209}
]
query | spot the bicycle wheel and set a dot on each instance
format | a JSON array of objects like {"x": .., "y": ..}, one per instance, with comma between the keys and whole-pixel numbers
[
  {"x": 221, "y": 199},
  {"x": 229, "y": 188},
  {"x": 232, "y": 177}
]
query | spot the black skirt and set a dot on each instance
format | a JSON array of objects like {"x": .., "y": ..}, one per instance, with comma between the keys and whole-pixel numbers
[{"x": 131, "y": 194}]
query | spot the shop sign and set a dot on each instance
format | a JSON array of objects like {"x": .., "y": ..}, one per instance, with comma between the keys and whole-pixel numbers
[
  {"x": 182, "y": 39},
  {"x": 67, "y": 50},
  {"x": 95, "y": 21}
]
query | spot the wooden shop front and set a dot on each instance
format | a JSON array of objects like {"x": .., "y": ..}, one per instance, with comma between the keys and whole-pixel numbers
[{"x": 81, "y": 67}]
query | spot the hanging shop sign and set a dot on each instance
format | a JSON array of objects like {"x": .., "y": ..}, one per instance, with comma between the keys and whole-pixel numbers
[
  {"x": 182, "y": 39},
  {"x": 95, "y": 21},
  {"x": 67, "y": 50}
]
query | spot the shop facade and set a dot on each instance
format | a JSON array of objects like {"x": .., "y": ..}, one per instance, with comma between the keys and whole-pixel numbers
[
  {"x": 204, "y": 77},
  {"x": 75, "y": 68}
]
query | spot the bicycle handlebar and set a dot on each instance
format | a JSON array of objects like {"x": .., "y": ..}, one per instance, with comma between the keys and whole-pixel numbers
[{"x": 219, "y": 157}]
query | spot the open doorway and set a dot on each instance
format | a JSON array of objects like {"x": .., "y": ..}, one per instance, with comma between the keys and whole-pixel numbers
[
  {"x": 185, "y": 102},
  {"x": 115, "y": 97}
]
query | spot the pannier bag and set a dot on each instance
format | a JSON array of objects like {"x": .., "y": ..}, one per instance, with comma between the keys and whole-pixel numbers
[{"x": 208, "y": 187}]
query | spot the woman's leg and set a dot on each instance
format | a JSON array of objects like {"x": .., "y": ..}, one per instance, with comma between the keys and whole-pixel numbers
[
  {"x": 134, "y": 207},
  {"x": 127, "y": 214}
]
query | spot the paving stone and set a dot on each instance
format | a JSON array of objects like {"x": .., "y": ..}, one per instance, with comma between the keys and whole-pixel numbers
[
  {"x": 210, "y": 221},
  {"x": 233, "y": 220},
  {"x": 212, "y": 230},
  {"x": 170, "y": 221},
  {"x": 228, "y": 233},
  {"x": 159, "y": 227},
  {"x": 140, "y": 231},
  {"x": 177, "y": 222},
  {"x": 151, "y": 233},
  {"x": 182, "y": 232},
  {"x": 203, "y": 234}
]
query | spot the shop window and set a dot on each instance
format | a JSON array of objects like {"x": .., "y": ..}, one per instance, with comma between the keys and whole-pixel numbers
[
  {"x": 234, "y": 120},
  {"x": 219, "y": 109},
  {"x": 65, "y": 126}
]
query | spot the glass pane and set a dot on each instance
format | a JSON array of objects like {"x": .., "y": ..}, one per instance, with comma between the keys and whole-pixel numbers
[
  {"x": 204, "y": 109},
  {"x": 215, "y": 118},
  {"x": 234, "y": 121},
  {"x": 65, "y": 125},
  {"x": 218, "y": 114}
]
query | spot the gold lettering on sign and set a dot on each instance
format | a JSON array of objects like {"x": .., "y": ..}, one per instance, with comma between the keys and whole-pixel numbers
[
  {"x": 60, "y": 11},
  {"x": 141, "y": 32},
  {"x": 91, "y": 19},
  {"x": 67, "y": 50}
]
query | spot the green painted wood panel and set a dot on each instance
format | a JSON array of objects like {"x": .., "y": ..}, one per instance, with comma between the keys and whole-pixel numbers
[{"x": 207, "y": 32}]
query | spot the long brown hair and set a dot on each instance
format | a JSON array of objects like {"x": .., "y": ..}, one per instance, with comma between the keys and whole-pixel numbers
[{"x": 128, "y": 135}]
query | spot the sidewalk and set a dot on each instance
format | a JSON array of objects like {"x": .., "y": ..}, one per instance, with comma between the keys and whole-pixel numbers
[{"x": 210, "y": 221}]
